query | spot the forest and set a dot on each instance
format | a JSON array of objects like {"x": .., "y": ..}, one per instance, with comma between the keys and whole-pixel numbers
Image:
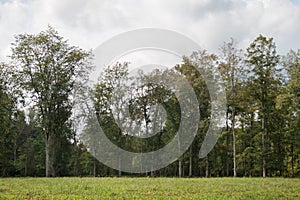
[{"x": 43, "y": 86}]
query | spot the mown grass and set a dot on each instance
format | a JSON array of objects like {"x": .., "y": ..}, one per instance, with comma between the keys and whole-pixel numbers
[{"x": 149, "y": 188}]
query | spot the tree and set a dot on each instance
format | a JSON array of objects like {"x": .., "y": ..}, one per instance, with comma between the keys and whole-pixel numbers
[
  {"x": 7, "y": 108},
  {"x": 208, "y": 63},
  {"x": 42, "y": 92},
  {"x": 288, "y": 102},
  {"x": 262, "y": 60},
  {"x": 151, "y": 95},
  {"x": 129, "y": 130},
  {"x": 109, "y": 99},
  {"x": 31, "y": 154},
  {"x": 49, "y": 70},
  {"x": 230, "y": 68}
]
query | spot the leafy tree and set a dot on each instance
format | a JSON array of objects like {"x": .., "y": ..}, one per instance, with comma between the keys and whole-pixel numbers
[
  {"x": 42, "y": 90},
  {"x": 7, "y": 108},
  {"x": 49, "y": 70},
  {"x": 263, "y": 60},
  {"x": 31, "y": 154},
  {"x": 230, "y": 67},
  {"x": 288, "y": 103},
  {"x": 208, "y": 63}
]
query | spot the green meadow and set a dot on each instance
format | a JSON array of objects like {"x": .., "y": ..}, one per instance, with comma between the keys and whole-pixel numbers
[{"x": 149, "y": 188}]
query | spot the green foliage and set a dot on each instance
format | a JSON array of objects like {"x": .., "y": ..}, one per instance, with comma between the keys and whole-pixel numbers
[
  {"x": 50, "y": 69},
  {"x": 37, "y": 103},
  {"x": 263, "y": 62}
]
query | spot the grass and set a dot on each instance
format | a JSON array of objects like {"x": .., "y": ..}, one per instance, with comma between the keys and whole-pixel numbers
[{"x": 149, "y": 188}]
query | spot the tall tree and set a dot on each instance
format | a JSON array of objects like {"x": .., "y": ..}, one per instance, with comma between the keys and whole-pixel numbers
[
  {"x": 7, "y": 108},
  {"x": 230, "y": 68},
  {"x": 50, "y": 69},
  {"x": 207, "y": 62},
  {"x": 288, "y": 102},
  {"x": 262, "y": 59}
]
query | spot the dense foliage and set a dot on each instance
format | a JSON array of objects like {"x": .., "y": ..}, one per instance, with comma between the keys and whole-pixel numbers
[{"x": 39, "y": 135}]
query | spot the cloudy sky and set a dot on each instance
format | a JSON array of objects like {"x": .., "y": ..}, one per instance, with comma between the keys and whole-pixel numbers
[{"x": 88, "y": 23}]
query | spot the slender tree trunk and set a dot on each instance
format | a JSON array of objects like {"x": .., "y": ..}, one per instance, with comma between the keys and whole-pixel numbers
[
  {"x": 26, "y": 164},
  {"x": 233, "y": 90},
  {"x": 147, "y": 120},
  {"x": 180, "y": 159},
  {"x": 191, "y": 161},
  {"x": 47, "y": 145},
  {"x": 95, "y": 162},
  {"x": 227, "y": 143},
  {"x": 298, "y": 167},
  {"x": 263, "y": 144},
  {"x": 152, "y": 157},
  {"x": 52, "y": 157},
  {"x": 293, "y": 162},
  {"x": 234, "y": 154},
  {"x": 251, "y": 144},
  {"x": 15, "y": 151},
  {"x": 207, "y": 167},
  {"x": 141, "y": 159},
  {"x": 180, "y": 167},
  {"x": 120, "y": 172},
  {"x": 234, "y": 142}
]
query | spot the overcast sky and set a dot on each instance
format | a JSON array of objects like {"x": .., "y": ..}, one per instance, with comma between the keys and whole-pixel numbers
[{"x": 87, "y": 23}]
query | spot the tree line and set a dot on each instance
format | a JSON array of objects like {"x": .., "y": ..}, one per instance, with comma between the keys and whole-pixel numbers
[{"x": 45, "y": 85}]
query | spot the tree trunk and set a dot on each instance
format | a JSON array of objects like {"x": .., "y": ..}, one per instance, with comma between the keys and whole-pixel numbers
[
  {"x": 179, "y": 167},
  {"x": 15, "y": 151},
  {"x": 234, "y": 153},
  {"x": 207, "y": 167},
  {"x": 180, "y": 159},
  {"x": 293, "y": 175},
  {"x": 263, "y": 143},
  {"x": 227, "y": 143},
  {"x": 26, "y": 164},
  {"x": 234, "y": 141},
  {"x": 191, "y": 161},
  {"x": 47, "y": 144},
  {"x": 152, "y": 157},
  {"x": 52, "y": 157},
  {"x": 95, "y": 166},
  {"x": 120, "y": 172}
]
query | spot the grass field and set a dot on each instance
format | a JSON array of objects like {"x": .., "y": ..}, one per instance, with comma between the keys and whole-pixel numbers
[{"x": 149, "y": 188}]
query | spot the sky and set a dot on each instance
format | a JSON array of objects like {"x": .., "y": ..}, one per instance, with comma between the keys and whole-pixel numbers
[{"x": 88, "y": 23}]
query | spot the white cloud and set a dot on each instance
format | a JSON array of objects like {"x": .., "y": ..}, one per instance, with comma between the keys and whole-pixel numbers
[{"x": 208, "y": 22}]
